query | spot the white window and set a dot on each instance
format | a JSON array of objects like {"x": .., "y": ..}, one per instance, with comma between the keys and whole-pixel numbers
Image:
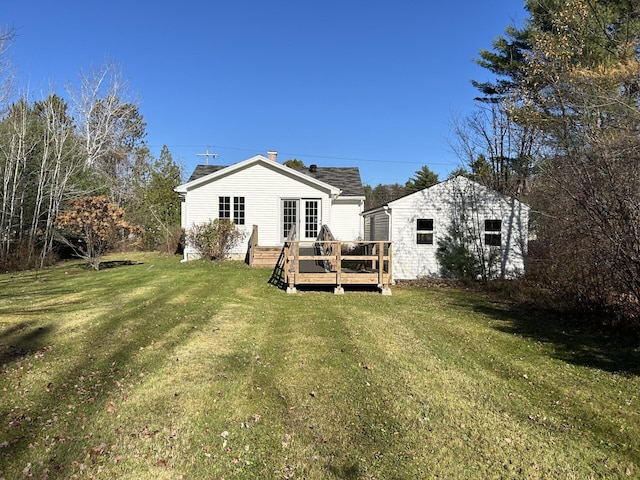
[
  {"x": 238, "y": 210},
  {"x": 224, "y": 209}
]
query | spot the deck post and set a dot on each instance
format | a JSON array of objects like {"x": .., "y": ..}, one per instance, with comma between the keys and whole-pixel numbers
[
  {"x": 335, "y": 262},
  {"x": 374, "y": 251},
  {"x": 380, "y": 264},
  {"x": 384, "y": 286},
  {"x": 390, "y": 267},
  {"x": 292, "y": 270},
  {"x": 338, "y": 261}
]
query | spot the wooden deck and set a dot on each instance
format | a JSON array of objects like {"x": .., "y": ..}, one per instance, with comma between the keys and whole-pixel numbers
[{"x": 329, "y": 262}]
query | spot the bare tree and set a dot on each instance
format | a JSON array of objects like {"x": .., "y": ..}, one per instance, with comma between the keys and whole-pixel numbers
[
  {"x": 60, "y": 163},
  {"x": 109, "y": 124},
  {"x": 14, "y": 152},
  {"x": 38, "y": 160},
  {"x": 47, "y": 150},
  {"x": 7, "y": 36},
  {"x": 496, "y": 150}
]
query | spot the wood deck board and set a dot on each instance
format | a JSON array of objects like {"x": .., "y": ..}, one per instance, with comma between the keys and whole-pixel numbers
[{"x": 345, "y": 278}]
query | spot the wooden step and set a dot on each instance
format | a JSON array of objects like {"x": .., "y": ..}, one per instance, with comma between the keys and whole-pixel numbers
[{"x": 266, "y": 257}]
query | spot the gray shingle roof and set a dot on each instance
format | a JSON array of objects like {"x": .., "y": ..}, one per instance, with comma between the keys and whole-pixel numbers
[
  {"x": 346, "y": 179},
  {"x": 203, "y": 171}
]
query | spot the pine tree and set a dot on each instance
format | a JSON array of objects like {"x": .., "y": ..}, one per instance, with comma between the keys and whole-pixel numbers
[{"x": 422, "y": 179}]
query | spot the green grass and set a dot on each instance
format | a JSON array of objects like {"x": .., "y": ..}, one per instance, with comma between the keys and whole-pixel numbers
[{"x": 158, "y": 369}]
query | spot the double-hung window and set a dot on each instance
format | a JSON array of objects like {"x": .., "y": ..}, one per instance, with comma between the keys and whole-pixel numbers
[
  {"x": 228, "y": 211},
  {"x": 424, "y": 231},
  {"x": 493, "y": 233}
]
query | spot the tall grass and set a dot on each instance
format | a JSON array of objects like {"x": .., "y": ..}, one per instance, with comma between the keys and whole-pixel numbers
[{"x": 158, "y": 369}]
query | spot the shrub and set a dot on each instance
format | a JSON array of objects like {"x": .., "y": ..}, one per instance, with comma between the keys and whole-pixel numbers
[
  {"x": 215, "y": 239},
  {"x": 456, "y": 259}
]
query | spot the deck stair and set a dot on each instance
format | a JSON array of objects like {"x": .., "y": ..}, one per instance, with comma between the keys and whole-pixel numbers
[{"x": 266, "y": 257}]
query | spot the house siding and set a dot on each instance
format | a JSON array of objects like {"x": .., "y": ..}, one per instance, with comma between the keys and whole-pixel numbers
[
  {"x": 411, "y": 260},
  {"x": 346, "y": 219},
  {"x": 441, "y": 203},
  {"x": 376, "y": 226}
]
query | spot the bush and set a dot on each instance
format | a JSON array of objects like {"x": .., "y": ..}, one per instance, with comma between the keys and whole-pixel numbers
[
  {"x": 455, "y": 258},
  {"x": 215, "y": 239}
]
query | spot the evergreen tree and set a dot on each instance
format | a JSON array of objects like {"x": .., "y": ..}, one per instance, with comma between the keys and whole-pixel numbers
[
  {"x": 162, "y": 203},
  {"x": 382, "y": 194},
  {"x": 422, "y": 179},
  {"x": 294, "y": 163}
]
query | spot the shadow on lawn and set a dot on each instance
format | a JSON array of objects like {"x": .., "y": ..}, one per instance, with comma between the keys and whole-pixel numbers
[
  {"x": 586, "y": 344},
  {"x": 22, "y": 339},
  {"x": 107, "y": 367},
  {"x": 106, "y": 265},
  {"x": 117, "y": 263}
]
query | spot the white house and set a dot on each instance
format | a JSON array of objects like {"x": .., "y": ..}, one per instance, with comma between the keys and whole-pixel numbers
[
  {"x": 497, "y": 226},
  {"x": 260, "y": 191}
]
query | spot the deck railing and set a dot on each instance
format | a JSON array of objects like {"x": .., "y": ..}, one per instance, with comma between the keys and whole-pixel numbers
[
  {"x": 327, "y": 261},
  {"x": 346, "y": 263}
]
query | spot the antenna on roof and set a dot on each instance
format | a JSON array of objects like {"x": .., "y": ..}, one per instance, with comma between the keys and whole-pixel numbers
[{"x": 207, "y": 155}]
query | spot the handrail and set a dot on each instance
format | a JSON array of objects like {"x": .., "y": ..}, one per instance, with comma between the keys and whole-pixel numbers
[
  {"x": 253, "y": 243},
  {"x": 325, "y": 235},
  {"x": 292, "y": 233}
]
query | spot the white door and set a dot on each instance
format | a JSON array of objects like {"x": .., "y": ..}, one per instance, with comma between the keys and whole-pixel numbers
[
  {"x": 290, "y": 217},
  {"x": 311, "y": 226},
  {"x": 306, "y": 219}
]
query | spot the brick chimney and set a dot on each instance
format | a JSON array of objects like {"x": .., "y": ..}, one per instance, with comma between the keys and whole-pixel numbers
[{"x": 272, "y": 155}]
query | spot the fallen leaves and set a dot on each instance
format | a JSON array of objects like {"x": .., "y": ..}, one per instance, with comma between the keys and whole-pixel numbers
[{"x": 98, "y": 449}]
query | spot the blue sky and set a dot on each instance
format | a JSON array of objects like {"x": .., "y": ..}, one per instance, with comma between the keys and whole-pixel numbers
[{"x": 372, "y": 84}]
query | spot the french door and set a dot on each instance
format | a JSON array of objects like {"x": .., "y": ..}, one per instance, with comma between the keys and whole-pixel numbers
[{"x": 304, "y": 214}]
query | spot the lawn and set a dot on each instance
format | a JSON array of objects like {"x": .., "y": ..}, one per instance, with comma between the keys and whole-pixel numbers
[{"x": 155, "y": 369}]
